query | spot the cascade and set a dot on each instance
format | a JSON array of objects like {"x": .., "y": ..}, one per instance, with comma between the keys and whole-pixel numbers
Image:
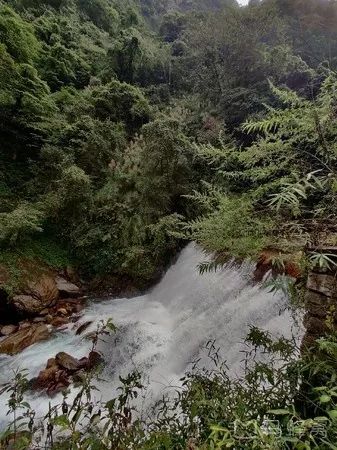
[{"x": 164, "y": 331}]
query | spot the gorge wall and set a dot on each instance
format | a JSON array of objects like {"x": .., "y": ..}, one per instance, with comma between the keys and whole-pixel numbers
[{"x": 320, "y": 301}]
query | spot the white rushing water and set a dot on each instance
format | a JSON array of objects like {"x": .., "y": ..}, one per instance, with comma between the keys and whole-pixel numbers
[{"x": 163, "y": 332}]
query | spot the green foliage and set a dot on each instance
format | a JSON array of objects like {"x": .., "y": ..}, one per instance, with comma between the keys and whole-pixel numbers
[
  {"x": 232, "y": 226},
  {"x": 320, "y": 260},
  {"x": 121, "y": 102},
  {"x": 99, "y": 113},
  {"x": 265, "y": 409},
  {"x": 22, "y": 221},
  {"x": 285, "y": 178},
  {"x": 118, "y": 140},
  {"x": 101, "y": 13},
  {"x": 17, "y": 36},
  {"x": 135, "y": 212}
]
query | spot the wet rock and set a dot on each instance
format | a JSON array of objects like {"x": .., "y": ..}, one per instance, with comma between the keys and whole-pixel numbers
[
  {"x": 39, "y": 320},
  {"x": 72, "y": 305},
  {"x": 67, "y": 289},
  {"x": 55, "y": 389},
  {"x": 316, "y": 304},
  {"x": 59, "y": 321},
  {"x": 68, "y": 362},
  {"x": 51, "y": 362},
  {"x": 7, "y": 330},
  {"x": 26, "y": 304},
  {"x": 94, "y": 359},
  {"x": 46, "y": 377},
  {"x": 24, "y": 324},
  {"x": 23, "y": 338},
  {"x": 83, "y": 327},
  {"x": 62, "y": 312},
  {"x": 314, "y": 325},
  {"x": 324, "y": 283},
  {"x": 79, "y": 377},
  {"x": 62, "y": 370},
  {"x": 37, "y": 296},
  {"x": 53, "y": 380},
  {"x": 78, "y": 307}
]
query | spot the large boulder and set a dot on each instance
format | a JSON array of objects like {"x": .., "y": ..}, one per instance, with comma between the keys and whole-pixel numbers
[
  {"x": 67, "y": 289},
  {"x": 22, "y": 339},
  {"x": 37, "y": 295},
  {"x": 27, "y": 304},
  {"x": 64, "y": 369}
]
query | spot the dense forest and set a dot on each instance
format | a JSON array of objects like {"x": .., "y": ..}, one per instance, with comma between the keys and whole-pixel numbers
[
  {"x": 130, "y": 126},
  {"x": 103, "y": 110}
]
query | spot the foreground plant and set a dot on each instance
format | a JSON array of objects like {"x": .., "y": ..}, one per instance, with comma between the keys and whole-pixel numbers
[{"x": 281, "y": 402}]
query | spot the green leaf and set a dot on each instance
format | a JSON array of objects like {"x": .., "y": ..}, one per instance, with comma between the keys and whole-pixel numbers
[
  {"x": 325, "y": 398},
  {"x": 279, "y": 412},
  {"x": 333, "y": 414},
  {"x": 62, "y": 421}
]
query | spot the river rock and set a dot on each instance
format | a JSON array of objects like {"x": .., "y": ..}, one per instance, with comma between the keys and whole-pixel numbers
[
  {"x": 45, "y": 288},
  {"x": 52, "y": 380},
  {"x": 67, "y": 289},
  {"x": 37, "y": 296},
  {"x": 94, "y": 359},
  {"x": 46, "y": 376},
  {"x": 22, "y": 339},
  {"x": 62, "y": 370},
  {"x": 26, "y": 304},
  {"x": 24, "y": 324},
  {"x": 68, "y": 362},
  {"x": 59, "y": 321},
  {"x": 62, "y": 312},
  {"x": 79, "y": 377},
  {"x": 39, "y": 320},
  {"x": 83, "y": 327},
  {"x": 51, "y": 362},
  {"x": 8, "y": 330}
]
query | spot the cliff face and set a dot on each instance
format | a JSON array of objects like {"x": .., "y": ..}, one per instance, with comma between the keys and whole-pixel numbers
[{"x": 320, "y": 302}]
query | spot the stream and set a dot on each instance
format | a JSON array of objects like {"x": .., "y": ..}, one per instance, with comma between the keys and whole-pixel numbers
[{"x": 164, "y": 331}]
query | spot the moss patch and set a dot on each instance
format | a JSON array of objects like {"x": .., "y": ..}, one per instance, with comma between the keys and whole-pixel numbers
[{"x": 29, "y": 260}]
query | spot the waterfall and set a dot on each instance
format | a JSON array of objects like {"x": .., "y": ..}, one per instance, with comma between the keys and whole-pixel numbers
[{"x": 163, "y": 332}]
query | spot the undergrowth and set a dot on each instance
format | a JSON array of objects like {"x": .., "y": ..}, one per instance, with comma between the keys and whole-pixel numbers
[
  {"x": 282, "y": 401},
  {"x": 32, "y": 256}
]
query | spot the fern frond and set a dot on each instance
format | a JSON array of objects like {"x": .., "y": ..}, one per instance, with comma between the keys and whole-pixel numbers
[
  {"x": 265, "y": 126},
  {"x": 286, "y": 96},
  {"x": 210, "y": 266}
]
